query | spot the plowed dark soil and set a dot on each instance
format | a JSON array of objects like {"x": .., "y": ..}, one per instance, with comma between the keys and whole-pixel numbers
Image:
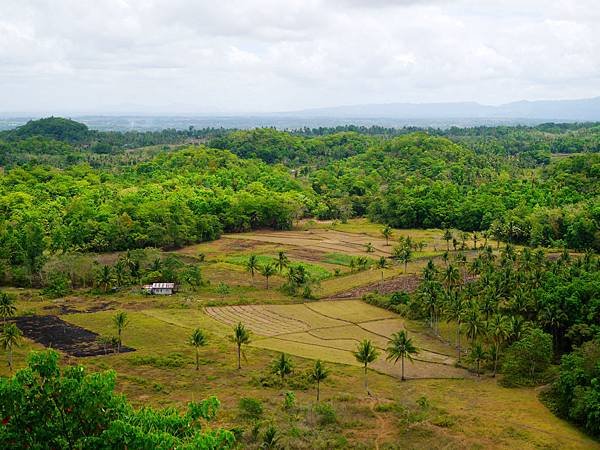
[{"x": 51, "y": 331}]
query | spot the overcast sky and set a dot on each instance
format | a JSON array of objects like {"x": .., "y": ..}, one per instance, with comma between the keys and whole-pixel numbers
[{"x": 157, "y": 56}]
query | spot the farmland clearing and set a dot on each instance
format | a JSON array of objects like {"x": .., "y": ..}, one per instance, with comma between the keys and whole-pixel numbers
[{"x": 332, "y": 330}]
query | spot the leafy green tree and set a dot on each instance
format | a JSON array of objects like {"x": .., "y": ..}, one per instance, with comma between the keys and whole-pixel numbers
[
  {"x": 387, "y": 234},
  {"x": 282, "y": 366},
  {"x": 60, "y": 409},
  {"x": 526, "y": 361},
  {"x": 241, "y": 336},
  {"x": 9, "y": 339},
  {"x": 120, "y": 322},
  {"x": 365, "y": 354},
  {"x": 319, "y": 373},
  {"x": 197, "y": 340},
  {"x": 252, "y": 265},
  {"x": 400, "y": 347},
  {"x": 7, "y": 307},
  {"x": 267, "y": 271}
]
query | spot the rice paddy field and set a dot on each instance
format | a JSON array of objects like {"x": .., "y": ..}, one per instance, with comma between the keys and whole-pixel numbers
[{"x": 441, "y": 406}]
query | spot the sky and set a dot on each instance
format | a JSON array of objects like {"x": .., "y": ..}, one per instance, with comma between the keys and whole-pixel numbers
[{"x": 243, "y": 56}]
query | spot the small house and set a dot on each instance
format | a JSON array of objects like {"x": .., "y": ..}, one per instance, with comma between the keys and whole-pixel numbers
[{"x": 160, "y": 288}]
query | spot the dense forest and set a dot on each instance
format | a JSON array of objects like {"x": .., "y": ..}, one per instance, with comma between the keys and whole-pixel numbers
[{"x": 66, "y": 188}]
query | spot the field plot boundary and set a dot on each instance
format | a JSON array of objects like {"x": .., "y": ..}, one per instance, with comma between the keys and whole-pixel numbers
[{"x": 292, "y": 331}]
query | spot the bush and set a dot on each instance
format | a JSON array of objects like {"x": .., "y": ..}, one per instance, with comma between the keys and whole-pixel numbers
[
  {"x": 250, "y": 408},
  {"x": 57, "y": 285},
  {"x": 171, "y": 361},
  {"x": 326, "y": 414},
  {"x": 527, "y": 360},
  {"x": 289, "y": 400}
]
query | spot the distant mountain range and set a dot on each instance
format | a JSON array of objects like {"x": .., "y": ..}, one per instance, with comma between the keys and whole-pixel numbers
[
  {"x": 551, "y": 110},
  {"x": 437, "y": 115}
]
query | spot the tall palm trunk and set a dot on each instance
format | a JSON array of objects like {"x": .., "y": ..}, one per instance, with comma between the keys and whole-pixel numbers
[
  {"x": 197, "y": 360},
  {"x": 366, "y": 381},
  {"x": 403, "y": 368},
  {"x": 496, "y": 360},
  {"x": 318, "y": 391},
  {"x": 239, "y": 356},
  {"x": 458, "y": 340}
]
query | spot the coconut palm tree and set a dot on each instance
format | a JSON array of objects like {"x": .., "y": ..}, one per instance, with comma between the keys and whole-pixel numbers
[
  {"x": 267, "y": 271},
  {"x": 240, "y": 337},
  {"x": 319, "y": 373},
  {"x": 282, "y": 261},
  {"x": 120, "y": 321},
  {"x": 197, "y": 340},
  {"x": 382, "y": 264},
  {"x": 498, "y": 329},
  {"x": 282, "y": 366},
  {"x": 365, "y": 354},
  {"x": 7, "y": 307},
  {"x": 477, "y": 355},
  {"x": 447, "y": 237},
  {"x": 252, "y": 265},
  {"x": 456, "y": 313},
  {"x": 400, "y": 347},
  {"x": 387, "y": 234},
  {"x": 473, "y": 323},
  {"x": 9, "y": 339},
  {"x": 105, "y": 277}
]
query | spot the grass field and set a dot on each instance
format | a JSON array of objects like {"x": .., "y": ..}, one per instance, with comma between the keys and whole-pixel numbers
[{"x": 440, "y": 407}]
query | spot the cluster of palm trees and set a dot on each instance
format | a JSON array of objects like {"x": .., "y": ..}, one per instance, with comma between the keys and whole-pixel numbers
[
  {"x": 11, "y": 336},
  {"x": 297, "y": 275},
  {"x": 400, "y": 347},
  {"x": 490, "y": 299},
  {"x": 269, "y": 269}
]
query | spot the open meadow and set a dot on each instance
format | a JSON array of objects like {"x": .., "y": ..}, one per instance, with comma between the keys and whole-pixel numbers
[{"x": 440, "y": 406}]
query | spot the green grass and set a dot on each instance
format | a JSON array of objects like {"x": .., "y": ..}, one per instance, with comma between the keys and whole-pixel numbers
[
  {"x": 341, "y": 259},
  {"x": 315, "y": 271}
]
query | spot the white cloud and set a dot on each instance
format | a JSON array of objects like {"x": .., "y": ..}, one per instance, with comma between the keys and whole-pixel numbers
[{"x": 261, "y": 55}]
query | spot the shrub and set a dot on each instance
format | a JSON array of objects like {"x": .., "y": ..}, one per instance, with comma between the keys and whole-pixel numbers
[
  {"x": 326, "y": 414},
  {"x": 171, "y": 361},
  {"x": 289, "y": 400},
  {"x": 250, "y": 408},
  {"x": 57, "y": 285}
]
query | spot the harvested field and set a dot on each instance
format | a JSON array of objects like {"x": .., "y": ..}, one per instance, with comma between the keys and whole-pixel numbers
[
  {"x": 331, "y": 331},
  {"x": 406, "y": 283},
  {"x": 51, "y": 331},
  {"x": 327, "y": 241}
]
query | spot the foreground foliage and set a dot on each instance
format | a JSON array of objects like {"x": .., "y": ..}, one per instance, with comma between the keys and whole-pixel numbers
[{"x": 43, "y": 406}]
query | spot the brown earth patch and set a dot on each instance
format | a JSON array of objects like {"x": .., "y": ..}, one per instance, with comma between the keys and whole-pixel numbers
[
  {"x": 51, "y": 331},
  {"x": 406, "y": 283}
]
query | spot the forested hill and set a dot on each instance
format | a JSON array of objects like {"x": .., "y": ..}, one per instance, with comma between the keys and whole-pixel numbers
[{"x": 58, "y": 194}]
